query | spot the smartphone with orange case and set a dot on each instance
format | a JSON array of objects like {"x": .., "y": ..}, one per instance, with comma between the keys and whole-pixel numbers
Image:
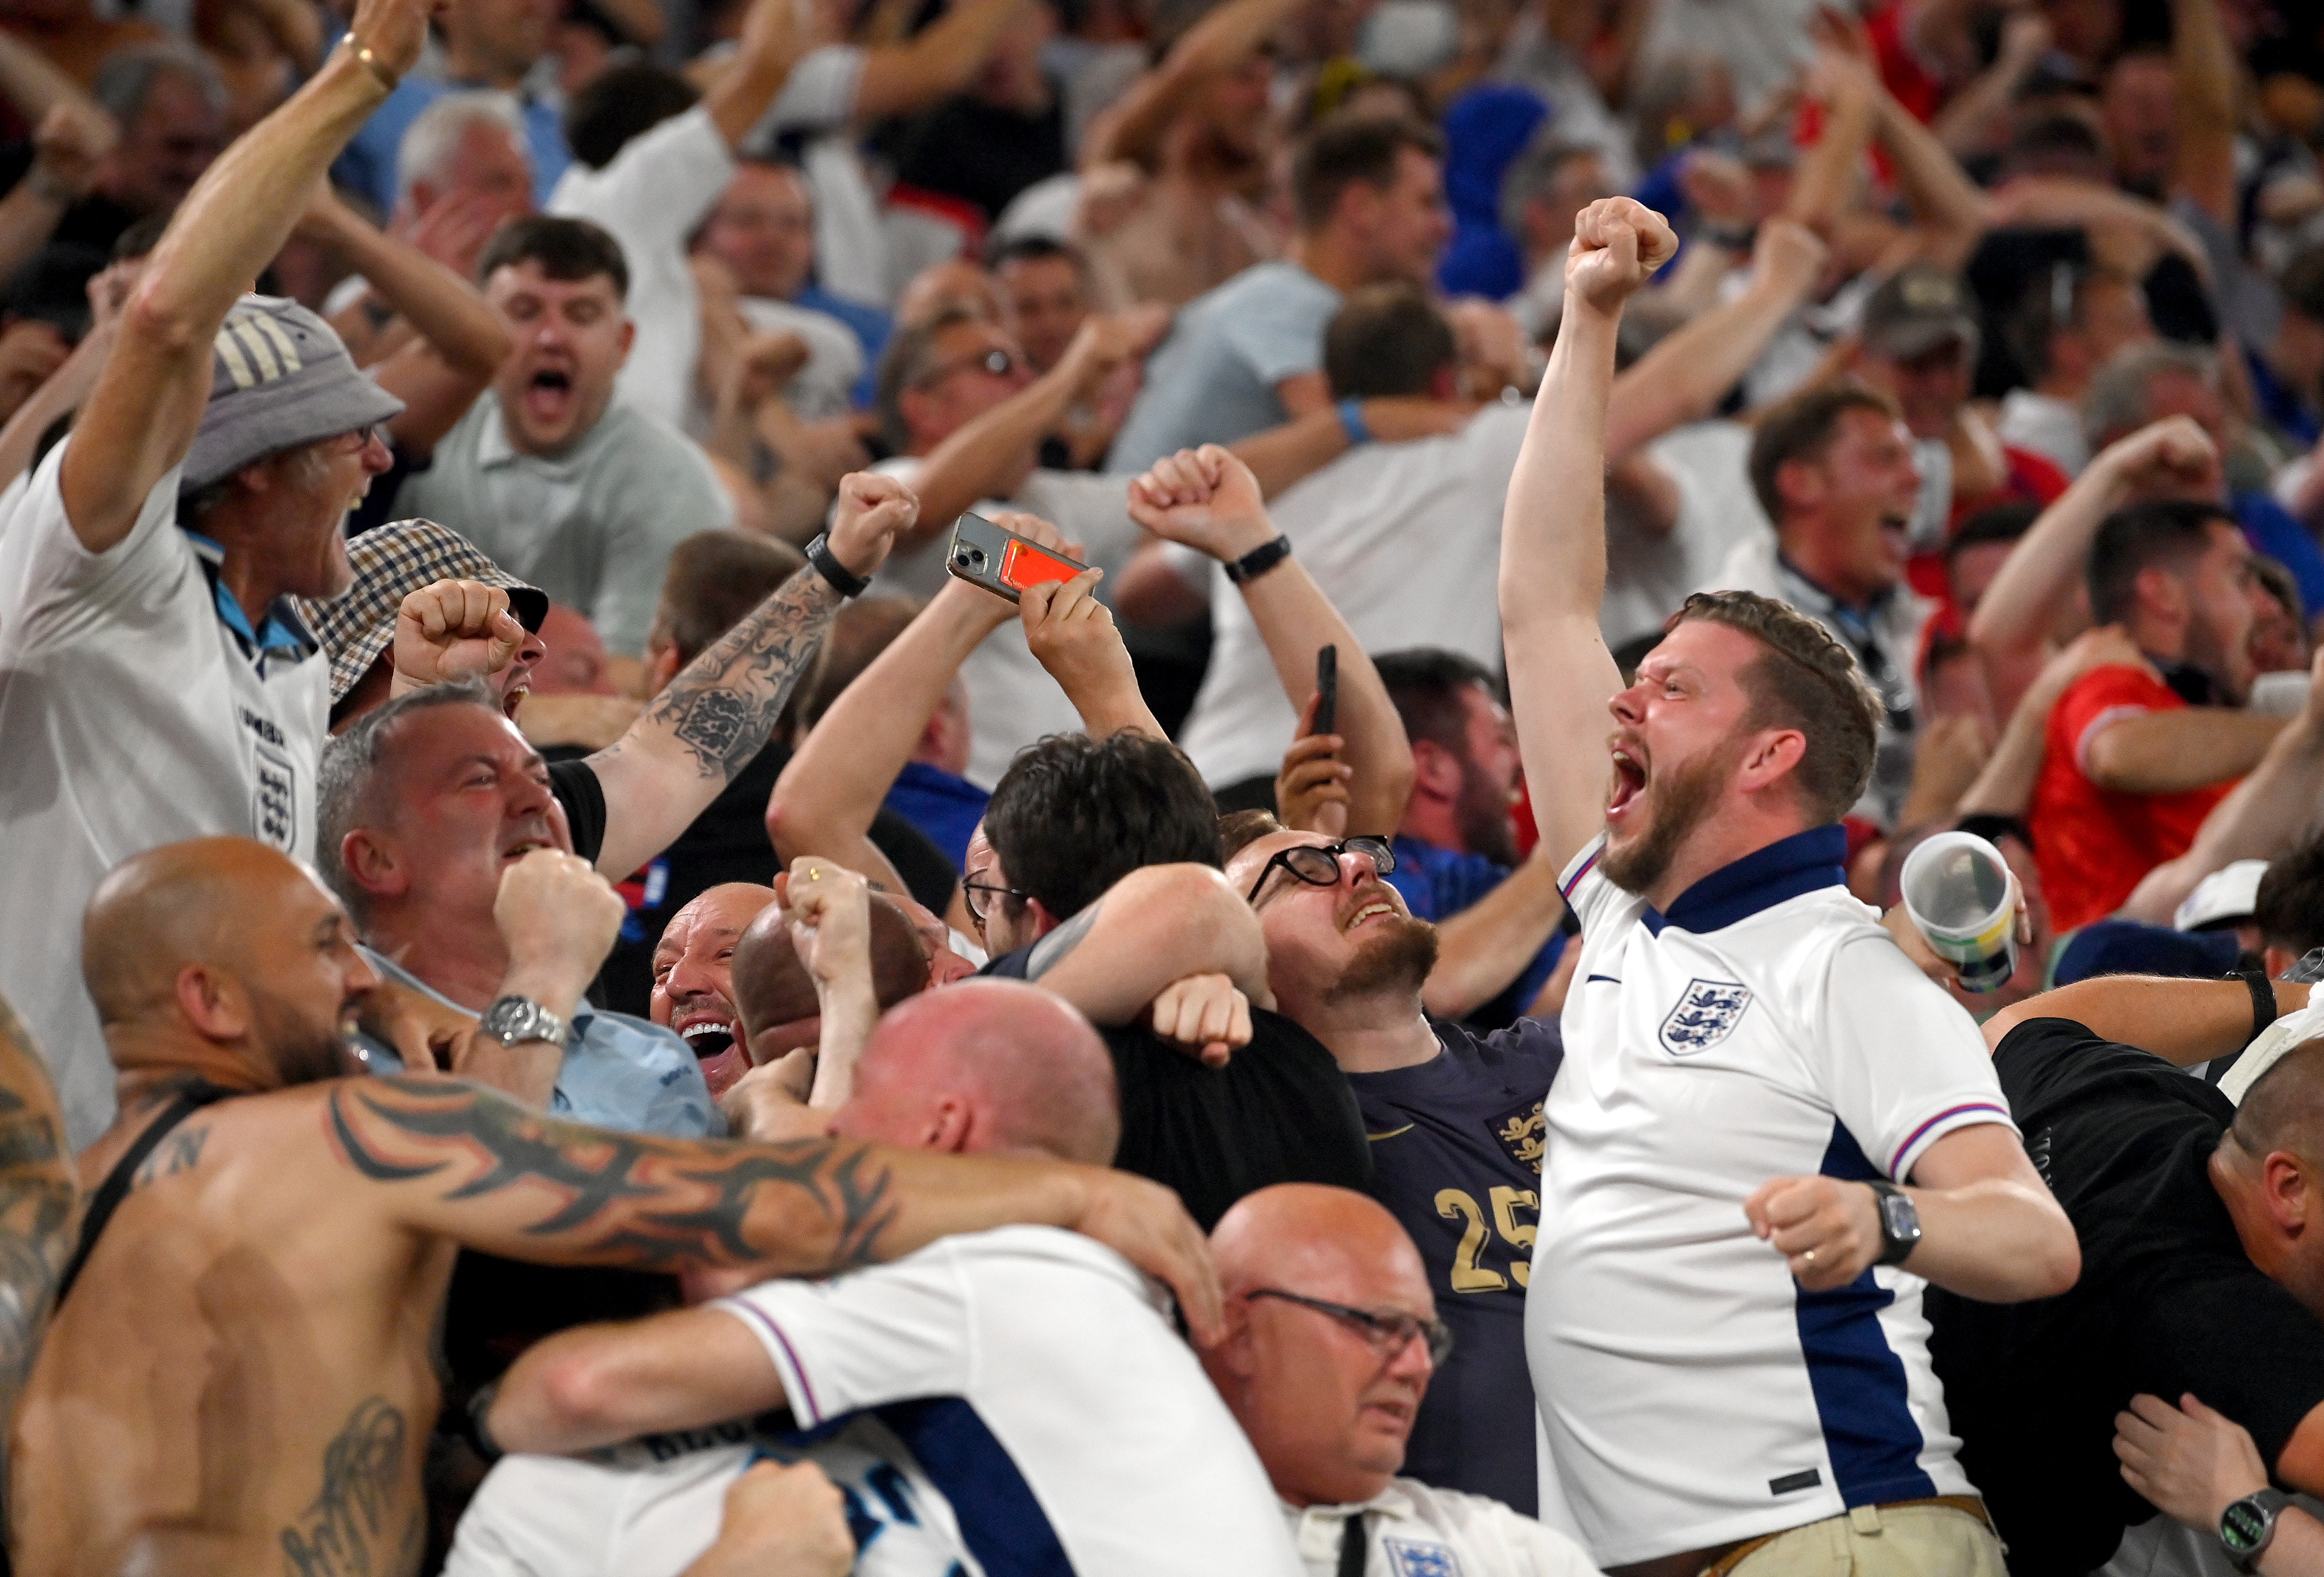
[{"x": 1002, "y": 561}]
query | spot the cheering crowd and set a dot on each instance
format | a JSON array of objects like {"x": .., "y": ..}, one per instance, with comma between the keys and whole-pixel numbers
[{"x": 1125, "y": 787}]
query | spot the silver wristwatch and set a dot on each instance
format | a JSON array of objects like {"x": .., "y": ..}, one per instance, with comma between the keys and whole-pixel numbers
[{"x": 511, "y": 1019}]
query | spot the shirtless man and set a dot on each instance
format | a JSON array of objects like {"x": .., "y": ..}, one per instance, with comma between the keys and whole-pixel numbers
[{"x": 238, "y": 1377}]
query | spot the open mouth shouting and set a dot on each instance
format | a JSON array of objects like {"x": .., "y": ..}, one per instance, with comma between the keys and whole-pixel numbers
[
  {"x": 522, "y": 846},
  {"x": 549, "y": 395},
  {"x": 1629, "y": 779},
  {"x": 706, "y": 1035}
]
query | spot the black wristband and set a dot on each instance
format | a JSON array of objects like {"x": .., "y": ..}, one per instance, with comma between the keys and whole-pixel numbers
[
  {"x": 844, "y": 580},
  {"x": 1258, "y": 560},
  {"x": 479, "y": 1436},
  {"x": 2263, "y": 996}
]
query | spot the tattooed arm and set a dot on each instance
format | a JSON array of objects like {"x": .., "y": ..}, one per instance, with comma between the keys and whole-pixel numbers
[
  {"x": 462, "y": 1162},
  {"x": 720, "y": 711},
  {"x": 38, "y": 1206}
]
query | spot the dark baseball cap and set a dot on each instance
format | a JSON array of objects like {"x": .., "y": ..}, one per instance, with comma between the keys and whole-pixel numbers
[{"x": 1917, "y": 308}]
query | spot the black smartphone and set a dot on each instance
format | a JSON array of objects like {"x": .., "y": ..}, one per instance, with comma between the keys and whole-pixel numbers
[
  {"x": 1327, "y": 689},
  {"x": 1002, "y": 561}
]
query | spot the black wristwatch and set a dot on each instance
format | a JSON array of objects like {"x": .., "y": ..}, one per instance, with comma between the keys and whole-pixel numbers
[
  {"x": 1258, "y": 560},
  {"x": 844, "y": 580},
  {"x": 2247, "y": 1526},
  {"x": 1900, "y": 1222},
  {"x": 512, "y": 1019}
]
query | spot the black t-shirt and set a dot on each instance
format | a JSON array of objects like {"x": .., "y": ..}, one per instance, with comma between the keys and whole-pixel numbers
[
  {"x": 2168, "y": 1301},
  {"x": 726, "y": 843},
  {"x": 981, "y": 154},
  {"x": 575, "y": 786},
  {"x": 1456, "y": 1145},
  {"x": 1279, "y": 1111}
]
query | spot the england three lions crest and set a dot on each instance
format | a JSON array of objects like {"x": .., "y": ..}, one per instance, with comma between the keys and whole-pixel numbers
[{"x": 1706, "y": 1013}]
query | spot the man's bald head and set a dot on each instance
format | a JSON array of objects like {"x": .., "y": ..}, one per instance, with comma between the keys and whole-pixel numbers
[
  {"x": 1327, "y": 1398},
  {"x": 2285, "y": 1110},
  {"x": 987, "y": 1066},
  {"x": 222, "y": 946},
  {"x": 1306, "y": 1236},
  {"x": 773, "y": 988}
]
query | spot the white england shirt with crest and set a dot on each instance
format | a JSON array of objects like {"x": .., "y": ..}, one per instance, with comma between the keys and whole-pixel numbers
[
  {"x": 132, "y": 714},
  {"x": 1691, "y": 1391}
]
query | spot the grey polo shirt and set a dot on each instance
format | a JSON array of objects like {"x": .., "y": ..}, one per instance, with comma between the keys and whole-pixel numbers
[{"x": 593, "y": 527}]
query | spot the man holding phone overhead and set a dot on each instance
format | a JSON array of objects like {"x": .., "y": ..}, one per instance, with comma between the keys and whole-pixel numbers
[{"x": 936, "y": 379}]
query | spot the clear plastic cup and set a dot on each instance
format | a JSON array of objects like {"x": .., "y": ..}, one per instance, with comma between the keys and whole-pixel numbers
[{"x": 1961, "y": 895}]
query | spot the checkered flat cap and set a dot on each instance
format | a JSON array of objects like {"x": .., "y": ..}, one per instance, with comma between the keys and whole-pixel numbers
[{"x": 391, "y": 563}]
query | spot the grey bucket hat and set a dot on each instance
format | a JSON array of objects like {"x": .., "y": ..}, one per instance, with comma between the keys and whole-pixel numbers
[
  {"x": 389, "y": 563},
  {"x": 278, "y": 377}
]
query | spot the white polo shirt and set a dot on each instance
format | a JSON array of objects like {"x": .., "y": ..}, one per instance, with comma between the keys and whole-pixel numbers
[
  {"x": 1032, "y": 1375},
  {"x": 652, "y": 1507},
  {"x": 1412, "y": 1530},
  {"x": 132, "y": 714},
  {"x": 1691, "y": 1393}
]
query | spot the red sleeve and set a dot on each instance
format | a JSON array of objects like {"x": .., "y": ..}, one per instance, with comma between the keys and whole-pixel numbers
[
  {"x": 1900, "y": 73},
  {"x": 2102, "y": 696}
]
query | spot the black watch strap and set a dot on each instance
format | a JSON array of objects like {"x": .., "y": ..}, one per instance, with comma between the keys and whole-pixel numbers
[
  {"x": 2263, "y": 996},
  {"x": 1258, "y": 560},
  {"x": 1899, "y": 1248},
  {"x": 844, "y": 580}
]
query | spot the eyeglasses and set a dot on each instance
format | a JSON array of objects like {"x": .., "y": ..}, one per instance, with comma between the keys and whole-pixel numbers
[
  {"x": 1389, "y": 1331},
  {"x": 360, "y": 439},
  {"x": 1318, "y": 865},
  {"x": 976, "y": 906},
  {"x": 1000, "y": 363}
]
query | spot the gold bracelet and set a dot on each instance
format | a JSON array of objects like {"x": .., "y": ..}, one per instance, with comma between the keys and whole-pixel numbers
[{"x": 362, "y": 52}]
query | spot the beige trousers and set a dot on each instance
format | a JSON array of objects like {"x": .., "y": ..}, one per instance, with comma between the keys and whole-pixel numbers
[{"x": 1899, "y": 1541}]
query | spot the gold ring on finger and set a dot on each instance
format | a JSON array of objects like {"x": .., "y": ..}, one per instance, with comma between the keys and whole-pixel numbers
[{"x": 1808, "y": 1258}]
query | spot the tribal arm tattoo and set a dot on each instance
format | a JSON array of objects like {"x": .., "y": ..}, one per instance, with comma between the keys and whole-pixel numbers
[
  {"x": 490, "y": 1173},
  {"x": 39, "y": 1202},
  {"x": 709, "y": 722}
]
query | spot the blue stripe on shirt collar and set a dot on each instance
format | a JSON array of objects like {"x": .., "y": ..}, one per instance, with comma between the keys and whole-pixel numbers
[
  {"x": 1803, "y": 862},
  {"x": 284, "y": 631}
]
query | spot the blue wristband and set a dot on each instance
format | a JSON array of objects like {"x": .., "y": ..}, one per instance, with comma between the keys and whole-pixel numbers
[{"x": 1352, "y": 421}]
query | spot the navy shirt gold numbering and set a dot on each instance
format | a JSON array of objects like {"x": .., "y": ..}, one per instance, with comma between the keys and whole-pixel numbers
[{"x": 1456, "y": 1145}]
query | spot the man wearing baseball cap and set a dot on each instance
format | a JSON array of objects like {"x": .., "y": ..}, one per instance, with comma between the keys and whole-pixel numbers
[
  {"x": 1920, "y": 337},
  {"x": 156, "y": 680}
]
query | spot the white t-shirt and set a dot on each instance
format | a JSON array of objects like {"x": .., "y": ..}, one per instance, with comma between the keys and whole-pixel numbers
[
  {"x": 1404, "y": 538},
  {"x": 656, "y": 193},
  {"x": 1765, "y": 1027},
  {"x": 651, "y": 1507},
  {"x": 131, "y": 715},
  {"x": 2047, "y": 425},
  {"x": 1012, "y": 702},
  {"x": 1067, "y": 1415},
  {"x": 1412, "y": 1530},
  {"x": 1647, "y": 576}
]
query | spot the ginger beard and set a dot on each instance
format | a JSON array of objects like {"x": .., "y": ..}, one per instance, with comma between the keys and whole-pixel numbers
[{"x": 1684, "y": 799}]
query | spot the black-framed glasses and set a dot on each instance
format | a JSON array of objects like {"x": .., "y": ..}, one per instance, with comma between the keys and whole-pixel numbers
[
  {"x": 1318, "y": 865},
  {"x": 1389, "y": 1331},
  {"x": 1000, "y": 363},
  {"x": 976, "y": 906}
]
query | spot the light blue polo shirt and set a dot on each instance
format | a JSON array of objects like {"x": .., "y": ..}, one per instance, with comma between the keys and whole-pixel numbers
[{"x": 618, "y": 1071}]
